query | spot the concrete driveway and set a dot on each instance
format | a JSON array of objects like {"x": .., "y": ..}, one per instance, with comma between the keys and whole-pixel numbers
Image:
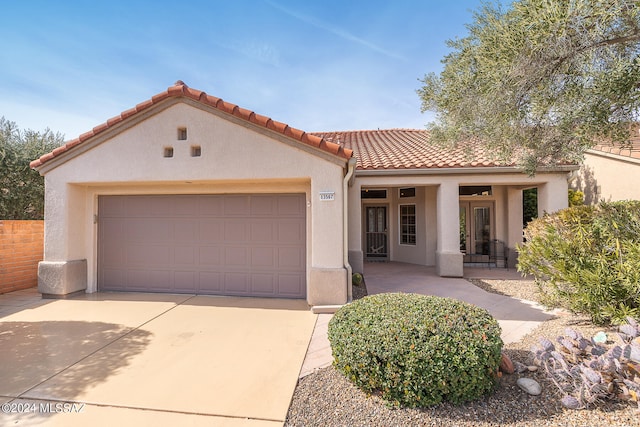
[{"x": 151, "y": 359}]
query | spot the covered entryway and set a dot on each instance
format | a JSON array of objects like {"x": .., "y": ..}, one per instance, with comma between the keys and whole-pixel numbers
[{"x": 240, "y": 244}]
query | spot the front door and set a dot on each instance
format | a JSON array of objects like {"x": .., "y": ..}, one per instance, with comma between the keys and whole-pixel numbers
[
  {"x": 376, "y": 233},
  {"x": 476, "y": 230}
]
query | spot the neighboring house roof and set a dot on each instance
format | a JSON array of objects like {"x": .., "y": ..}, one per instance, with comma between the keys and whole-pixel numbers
[
  {"x": 631, "y": 150},
  {"x": 179, "y": 89},
  {"x": 409, "y": 149}
]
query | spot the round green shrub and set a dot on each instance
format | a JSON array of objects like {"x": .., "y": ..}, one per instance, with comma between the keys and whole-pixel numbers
[
  {"x": 357, "y": 279},
  {"x": 417, "y": 350}
]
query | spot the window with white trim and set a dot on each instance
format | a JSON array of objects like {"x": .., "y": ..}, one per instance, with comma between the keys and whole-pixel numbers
[{"x": 407, "y": 224}]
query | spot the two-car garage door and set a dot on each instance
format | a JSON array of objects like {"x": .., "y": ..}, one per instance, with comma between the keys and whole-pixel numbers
[{"x": 247, "y": 245}]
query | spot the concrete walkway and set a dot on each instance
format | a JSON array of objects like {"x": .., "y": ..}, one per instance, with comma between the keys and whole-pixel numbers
[
  {"x": 516, "y": 317},
  {"x": 149, "y": 359}
]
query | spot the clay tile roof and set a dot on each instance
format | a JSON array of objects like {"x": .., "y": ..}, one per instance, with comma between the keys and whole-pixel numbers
[
  {"x": 631, "y": 150},
  {"x": 408, "y": 149},
  {"x": 180, "y": 89}
]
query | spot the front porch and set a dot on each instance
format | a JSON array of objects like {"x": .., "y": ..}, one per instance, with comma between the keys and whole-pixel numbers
[
  {"x": 448, "y": 222},
  {"x": 429, "y": 275}
]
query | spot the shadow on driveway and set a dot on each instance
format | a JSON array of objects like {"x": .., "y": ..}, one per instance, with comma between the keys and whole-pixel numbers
[{"x": 33, "y": 352}]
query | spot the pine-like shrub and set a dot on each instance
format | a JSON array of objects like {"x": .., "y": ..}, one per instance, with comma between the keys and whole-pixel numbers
[
  {"x": 417, "y": 350},
  {"x": 587, "y": 259}
]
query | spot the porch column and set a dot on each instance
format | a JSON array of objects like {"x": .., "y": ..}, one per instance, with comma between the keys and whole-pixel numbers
[
  {"x": 553, "y": 195},
  {"x": 515, "y": 225},
  {"x": 449, "y": 259},
  {"x": 356, "y": 258}
]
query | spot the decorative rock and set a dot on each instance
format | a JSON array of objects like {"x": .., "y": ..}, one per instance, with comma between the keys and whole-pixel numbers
[
  {"x": 529, "y": 386},
  {"x": 570, "y": 402},
  {"x": 600, "y": 338},
  {"x": 520, "y": 367},
  {"x": 532, "y": 368},
  {"x": 506, "y": 365},
  {"x": 634, "y": 353}
]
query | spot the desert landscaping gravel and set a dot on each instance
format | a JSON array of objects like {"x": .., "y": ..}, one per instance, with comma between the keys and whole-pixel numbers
[{"x": 326, "y": 398}]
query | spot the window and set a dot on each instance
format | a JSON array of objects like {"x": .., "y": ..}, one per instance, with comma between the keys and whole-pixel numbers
[
  {"x": 407, "y": 224},
  {"x": 373, "y": 194},
  {"x": 196, "y": 151},
  {"x": 407, "y": 192},
  {"x": 475, "y": 190},
  {"x": 182, "y": 134},
  {"x": 168, "y": 151}
]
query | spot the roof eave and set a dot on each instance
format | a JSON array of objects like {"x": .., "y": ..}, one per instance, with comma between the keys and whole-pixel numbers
[
  {"x": 181, "y": 91},
  {"x": 462, "y": 170},
  {"x": 615, "y": 156}
]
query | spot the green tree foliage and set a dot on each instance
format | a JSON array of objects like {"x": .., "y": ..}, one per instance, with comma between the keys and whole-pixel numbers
[
  {"x": 587, "y": 259},
  {"x": 529, "y": 205},
  {"x": 541, "y": 80},
  {"x": 21, "y": 188}
]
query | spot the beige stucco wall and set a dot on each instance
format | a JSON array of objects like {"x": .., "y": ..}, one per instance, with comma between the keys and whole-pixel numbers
[
  {"x": 235, "y": 158},
  {"x": 608, "y": 177}
]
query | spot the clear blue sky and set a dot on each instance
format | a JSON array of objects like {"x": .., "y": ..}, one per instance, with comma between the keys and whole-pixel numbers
[{"x": 316, "y": 65}]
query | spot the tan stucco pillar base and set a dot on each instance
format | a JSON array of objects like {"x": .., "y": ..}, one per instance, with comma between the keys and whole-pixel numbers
[
  {"x": 449, "y": 264},
  {"x": 61, "y": 278},
  {"x": 327, "y": 286}
]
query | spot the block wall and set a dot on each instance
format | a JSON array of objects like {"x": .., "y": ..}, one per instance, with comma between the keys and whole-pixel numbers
[{"x": 21, "y": 248}]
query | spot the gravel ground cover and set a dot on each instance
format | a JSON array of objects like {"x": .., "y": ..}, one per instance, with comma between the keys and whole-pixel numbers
[{"x": 326, "y": 398}]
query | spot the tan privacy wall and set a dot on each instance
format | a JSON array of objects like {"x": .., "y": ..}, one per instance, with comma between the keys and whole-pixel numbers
[{"x": 21, "y": 248}]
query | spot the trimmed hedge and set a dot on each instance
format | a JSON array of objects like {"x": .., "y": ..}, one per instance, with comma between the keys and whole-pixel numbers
[{"x": 417, "y": 350}]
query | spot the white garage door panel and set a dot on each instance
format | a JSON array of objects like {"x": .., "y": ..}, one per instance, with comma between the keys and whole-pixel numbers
[{"x": 247, "y": 245}]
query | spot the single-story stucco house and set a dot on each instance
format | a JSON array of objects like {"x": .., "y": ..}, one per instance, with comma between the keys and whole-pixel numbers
[
  {"x": 187, "y": 193},
  {"x": 610, "y": 172}
]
